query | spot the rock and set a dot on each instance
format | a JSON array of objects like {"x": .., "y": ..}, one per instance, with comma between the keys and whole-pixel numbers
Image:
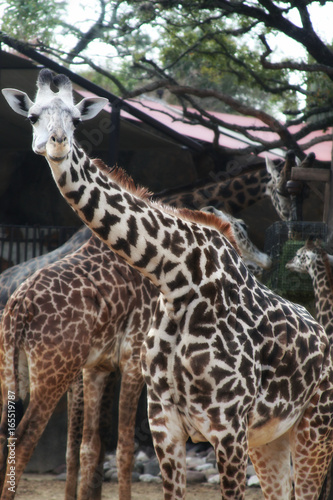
[
  {"x": 151, "y": 467},
  {"x": 250, "y": 471},
  {"x": 203, "y": 467},
  {"x": 214, "y": 479},
  {"x": 193, "y": 476},
  {"x": 148, "y": 478},
  {"x": 211, "y": 472},
  {"x": 61, "y": 477},
  {"x": 211, "y": 457},
  {"x": 253, "y": 481},
  {"x": 142, "y": 457},
  {"x": 114, "y": 477},
  {"x": 193, "y": 462},
  {"x": 111, "y": 474},
  {"x": 138, "y": 467}
]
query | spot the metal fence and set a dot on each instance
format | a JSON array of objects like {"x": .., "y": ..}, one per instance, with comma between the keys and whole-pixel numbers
[{"x": 21, "y": 243}]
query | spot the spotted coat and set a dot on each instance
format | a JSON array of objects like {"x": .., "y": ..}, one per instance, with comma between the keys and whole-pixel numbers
[{"x": 226, "y": 360}]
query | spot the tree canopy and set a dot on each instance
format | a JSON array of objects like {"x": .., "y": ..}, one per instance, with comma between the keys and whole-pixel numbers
[{"x": 206, "y": 56}]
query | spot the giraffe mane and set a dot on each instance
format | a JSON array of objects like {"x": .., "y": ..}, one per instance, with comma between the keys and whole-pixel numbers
[
  {"x": 205, "y": 219},
  {"x": 122, "y": 178}
]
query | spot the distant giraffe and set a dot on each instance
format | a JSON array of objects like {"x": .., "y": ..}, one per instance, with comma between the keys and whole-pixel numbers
[
  {"x": 235, "y": 193},
  {"x": 226, "y": 360},
  {"x": 313, "y": 259}
]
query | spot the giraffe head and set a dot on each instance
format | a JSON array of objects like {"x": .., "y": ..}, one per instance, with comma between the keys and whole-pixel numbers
[
  {"x": 305, "y": 257},
  {"x": 53, "y": 115},
  {"x": 277, "y": 186},
  {"x": 251, "y": 255}
]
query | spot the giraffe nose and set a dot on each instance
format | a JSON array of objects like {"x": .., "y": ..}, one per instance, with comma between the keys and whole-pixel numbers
[
  {"x": 58, "y": 145},
  {"x": 59, "y": 137}
]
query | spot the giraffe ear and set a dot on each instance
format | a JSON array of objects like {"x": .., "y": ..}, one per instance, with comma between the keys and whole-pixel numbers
[
  {"x": 18, "y": 101},
  {"x": 271, "y": 168},
  {"x": 91, "y": 106}
]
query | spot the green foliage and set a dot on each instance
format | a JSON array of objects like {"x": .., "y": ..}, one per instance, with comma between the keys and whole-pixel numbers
[
  {"x": 197, "y": 49},
  {"x": 28, "y": 20}
]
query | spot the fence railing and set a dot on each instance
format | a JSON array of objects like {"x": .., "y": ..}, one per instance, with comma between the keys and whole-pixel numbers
[{"x": 21, "y": 243}]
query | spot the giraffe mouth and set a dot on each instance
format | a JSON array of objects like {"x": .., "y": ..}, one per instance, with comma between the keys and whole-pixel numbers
[{"x": 57, "y": 159}]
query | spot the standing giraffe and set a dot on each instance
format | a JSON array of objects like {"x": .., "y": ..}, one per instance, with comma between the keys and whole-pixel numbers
[
  {"x": 11, "y": 279},
  {"x": 93, "y": 274},
  {"x": 87, "y": 311},
  {"x": 313, "y": 259},
  {"x": 226, "y": 360}
]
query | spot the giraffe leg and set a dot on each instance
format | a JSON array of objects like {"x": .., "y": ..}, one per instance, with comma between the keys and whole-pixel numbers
[
  {"x": 91, "y": 477},
  {"x": 74, "y": 436},
  {"x": 104, "y": 430},
  {"x": 169, "y": 441},
  {"x": 312, "y": 446},
  {"x": 272, "y": 463},
  {"x": 231, "y": 457},
  {"x": 130, "y": 390},
  {"x": 28, "y": 432}
]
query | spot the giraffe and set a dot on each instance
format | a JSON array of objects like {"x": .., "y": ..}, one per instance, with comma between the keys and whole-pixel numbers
[
  {"x": 251, "y": 255},
  {"x": 86, "y": 312},
  {"x": 235, "y": 193},
  {"x": 313, "y": 259},
  {"x": 10, "y": 280},
  {"x": 41, "y": 294},
  {"x": 226, "y": 360},
  {"x": 41, "y": 291}
]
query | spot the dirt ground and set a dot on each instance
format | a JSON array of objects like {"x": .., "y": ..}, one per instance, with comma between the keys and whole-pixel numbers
[{"x": 46, "y": 487}]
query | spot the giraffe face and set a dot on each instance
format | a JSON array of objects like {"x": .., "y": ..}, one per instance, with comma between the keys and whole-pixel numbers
[
  {"x": 251, "y": 255},
  {"x": 53, "y": 115},
  {"x": 281, "y": 201},
  {"x": 303, "y": 260},
  {"x": 53, "y": 128}
]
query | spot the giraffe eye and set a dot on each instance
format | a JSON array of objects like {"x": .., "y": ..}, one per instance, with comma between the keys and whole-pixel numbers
[
  {"x": 33, "y": 119},
  {"x": 76, "y": 121}
]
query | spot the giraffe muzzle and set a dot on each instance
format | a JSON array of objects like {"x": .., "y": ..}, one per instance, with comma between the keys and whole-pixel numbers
[{"x": 57, "y": 147}]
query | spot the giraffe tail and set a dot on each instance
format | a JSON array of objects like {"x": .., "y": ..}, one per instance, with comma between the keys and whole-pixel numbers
[{"x": 14, "y": 373}]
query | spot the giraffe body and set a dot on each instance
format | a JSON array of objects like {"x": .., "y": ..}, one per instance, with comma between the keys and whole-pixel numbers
[
  {"x": 100, "y": 276},
  {"x": 91, "y": 253},
  {"x": 226, "y": 360},
  {"x": 313, "y": 259},
  {"x": 87, "y": 311}
]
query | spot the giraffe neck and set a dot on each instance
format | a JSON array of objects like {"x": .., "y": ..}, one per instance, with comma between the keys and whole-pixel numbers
[
  {"x": 150, "y": 238},
  {"x": 231, "y": 195},
  {"x": 321, "y": 275}
]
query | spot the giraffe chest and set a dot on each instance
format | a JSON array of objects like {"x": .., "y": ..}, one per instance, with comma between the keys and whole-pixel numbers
[{"x": 199, "y": 373}]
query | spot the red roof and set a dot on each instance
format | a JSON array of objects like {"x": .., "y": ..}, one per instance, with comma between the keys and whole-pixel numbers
[{"x": 171, "y": 116}]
